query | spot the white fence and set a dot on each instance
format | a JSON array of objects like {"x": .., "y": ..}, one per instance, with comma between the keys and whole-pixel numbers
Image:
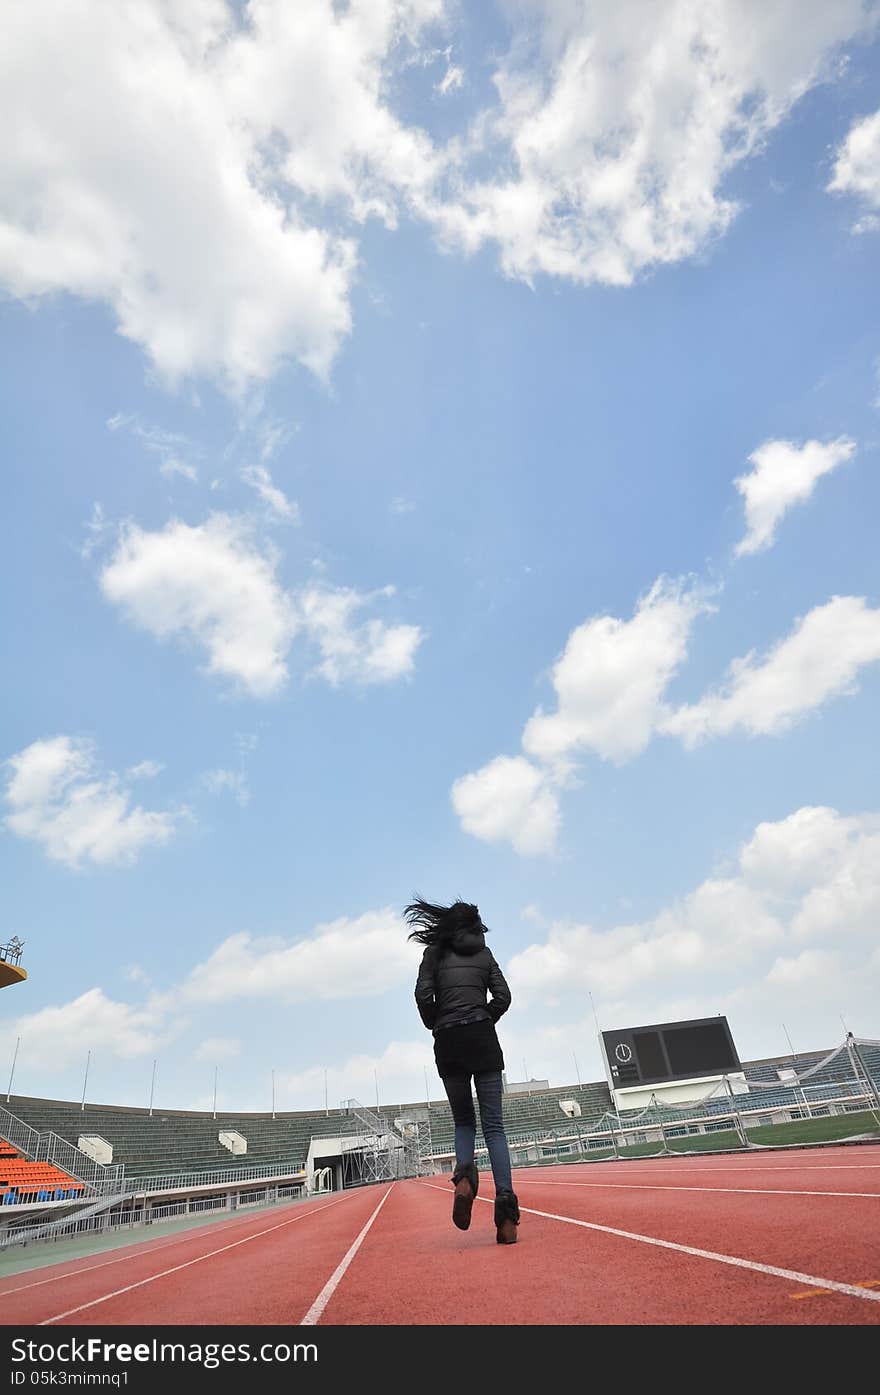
[{"x": 130, "y": 1217}]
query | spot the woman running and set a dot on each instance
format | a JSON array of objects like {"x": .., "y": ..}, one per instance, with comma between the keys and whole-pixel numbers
[{"x": 456, "y": 974}]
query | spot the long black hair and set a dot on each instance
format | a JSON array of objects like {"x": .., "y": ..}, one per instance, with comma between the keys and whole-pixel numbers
[{"x": 437, "y": 925}]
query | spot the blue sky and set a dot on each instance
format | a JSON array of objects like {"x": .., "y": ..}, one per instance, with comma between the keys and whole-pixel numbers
[{"x": 431, "y": 467}]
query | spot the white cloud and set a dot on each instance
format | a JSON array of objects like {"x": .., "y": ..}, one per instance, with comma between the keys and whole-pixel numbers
[
  {"x": 97, "y": 526},
  {"x": 145, "y": 770},
  {"x": 185, "y": 211},
  {"x": 451, "y": 80},
  {"x": 846, "y": 901},
  {"x": 173, "y": 465},
  {"x": 315, "y": 76},
  {"x": 784, "y": 474},
  {"x": 610, "y": 683},
  {"x": 810, "y": 966},
  {"x": 617, "y": 125},
  {"x": 814, "y": 875},
  {"x": 57, "y": 796},
  {"x": 789, "y": 856},
  {"x": 611, "y": 678},
  {"x": 344, "y": 958},
  {"x": 719, "y": 927},
  {"x": 857, "y": 169},
  {"x": 213, "y": 586},
  {"x": 216, "y": 214},
  {"x": 92, "y": 1022},
  {"x": 510, "y": 799},
  {"x": 609, "y": 686},
  {"x": 272, "y": 436},
  {"x": 235, "y": 781},
  {"x": 169, "y": 446},
  {"x": 218, "y": 1049},
  {"x": 821, "y": 659},
  {"x": 399, "y": 1072},
  {"x": 784, "y": 934},
  {"x": 372, "y": 652},
  {"x": 258, "y": 477}
]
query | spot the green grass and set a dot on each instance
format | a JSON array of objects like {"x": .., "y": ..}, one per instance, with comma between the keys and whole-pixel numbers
[
  {"x": 818, "y": 1130},
  {"x": 675, "y": 1145}
]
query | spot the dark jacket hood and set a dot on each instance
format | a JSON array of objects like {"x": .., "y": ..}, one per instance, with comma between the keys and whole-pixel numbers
[
  {"x": 452, "y": 987},
  {"x": 469, "y": 941}
]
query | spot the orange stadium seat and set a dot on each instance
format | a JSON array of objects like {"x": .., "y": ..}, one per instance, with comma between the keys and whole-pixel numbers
[{"x": 22, "y": 1180}]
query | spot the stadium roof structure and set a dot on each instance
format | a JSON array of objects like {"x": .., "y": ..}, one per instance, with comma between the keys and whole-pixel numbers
[{"x": 11, "y": 970}]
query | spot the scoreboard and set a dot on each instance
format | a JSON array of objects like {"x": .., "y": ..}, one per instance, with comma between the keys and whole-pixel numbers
[{"x": 669, "y": 1051}]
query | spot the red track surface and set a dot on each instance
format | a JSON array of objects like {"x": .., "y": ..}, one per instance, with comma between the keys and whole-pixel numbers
[{"x": 608, "y": 1243}]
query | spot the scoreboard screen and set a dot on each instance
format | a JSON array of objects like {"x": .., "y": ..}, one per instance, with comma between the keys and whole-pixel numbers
[{"x": 669, "y": 1051}]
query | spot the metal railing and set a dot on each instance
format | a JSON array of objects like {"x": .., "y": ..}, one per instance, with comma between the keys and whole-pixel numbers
[
  {"x": 100, "y": 1176},
  {"x": 49, "y": 1147},
  {"x": 130, "y": 1217},
  {"x": 184, "y": 1181},
  {"x": 19, "y": 1134},
  {"x": 705, "y": 1116}
]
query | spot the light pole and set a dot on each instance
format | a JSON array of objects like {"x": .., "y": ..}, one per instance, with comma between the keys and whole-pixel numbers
[
  {"x": 12, "y": 1071},
  {"x": 85, "y": 1080},
  {"x": 794, "y": 1061},
  {"x": 595, "y": 1014}
]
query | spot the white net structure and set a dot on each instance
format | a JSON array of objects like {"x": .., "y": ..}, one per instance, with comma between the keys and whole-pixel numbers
[{"x": 841, "y": 1088}]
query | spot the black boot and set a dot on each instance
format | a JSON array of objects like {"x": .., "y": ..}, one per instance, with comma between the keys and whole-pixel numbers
[
  {"x": 506, "y": 1217},
  {"x": 466, "y": 1180}
]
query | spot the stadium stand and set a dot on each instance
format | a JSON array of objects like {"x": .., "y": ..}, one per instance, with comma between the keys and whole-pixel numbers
[
  {"x": 768, "y": 1069},
  {"x": 24, "y": 1181},
  {"x": 184, "y": 1141},
  {"x": 175, "y": 1142},
  {"x": 141, "y": 1166},
  {"x": 523, "y": 1113}
]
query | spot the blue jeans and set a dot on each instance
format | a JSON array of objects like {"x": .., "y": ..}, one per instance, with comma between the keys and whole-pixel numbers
[{"x": 458, "y": 1092}]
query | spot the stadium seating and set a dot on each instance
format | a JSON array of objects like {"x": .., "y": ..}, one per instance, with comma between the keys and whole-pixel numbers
[
  {"x": 173, "y": 1142},
  {"x": 181, "y": 1141},
  {"x": 24, "y": 1181}
]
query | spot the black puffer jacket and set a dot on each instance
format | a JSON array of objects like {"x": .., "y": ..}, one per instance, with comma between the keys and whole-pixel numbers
[{"x": 453, "y": 987}]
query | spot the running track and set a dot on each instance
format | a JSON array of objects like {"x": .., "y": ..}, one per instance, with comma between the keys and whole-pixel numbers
[{"x": 767, "y": 1238}]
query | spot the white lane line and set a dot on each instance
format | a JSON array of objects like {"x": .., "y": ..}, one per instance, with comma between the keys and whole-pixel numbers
[
  {"x": 327, "y": 1292},
  {"x": 793, "y": 1274},
  {"x": 187, "y": 1264},
  {"x": 661, "y": 1187},
  {"x": 133, "y": 1252},
  {"x": 725, "y": 1167}
]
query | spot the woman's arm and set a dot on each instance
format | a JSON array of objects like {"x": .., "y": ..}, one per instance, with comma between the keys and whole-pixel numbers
[
  {"x": 425, "y": 990},
  {"x": 499, "y": 992}
]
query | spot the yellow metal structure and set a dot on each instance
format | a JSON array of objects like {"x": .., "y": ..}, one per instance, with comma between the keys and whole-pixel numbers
[{"x": 11, "y": 973}]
